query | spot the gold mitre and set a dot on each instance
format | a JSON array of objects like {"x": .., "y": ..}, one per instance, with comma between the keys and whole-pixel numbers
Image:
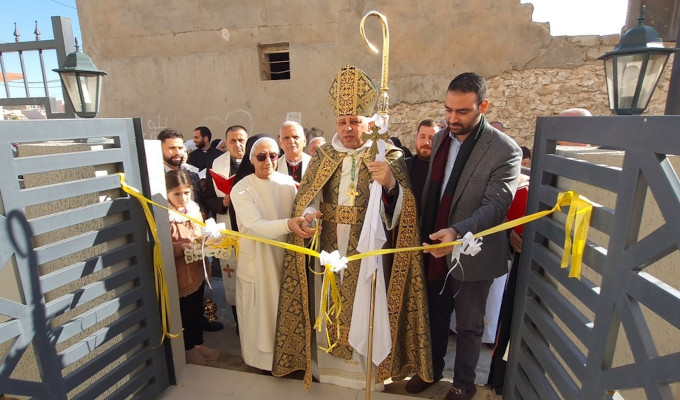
[{"x": 352, "y": 92}]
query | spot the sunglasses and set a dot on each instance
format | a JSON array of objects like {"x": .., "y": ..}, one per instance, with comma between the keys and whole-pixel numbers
[{"x": 263, "y": 156}]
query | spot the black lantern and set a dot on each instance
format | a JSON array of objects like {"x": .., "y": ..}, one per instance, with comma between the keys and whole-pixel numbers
[
  {"x": 83, "y": 82},
  {"x": 633, "y": 68}
]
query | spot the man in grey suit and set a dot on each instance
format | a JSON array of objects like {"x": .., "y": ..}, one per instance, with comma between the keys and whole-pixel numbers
[{"x": 470, "y": 184}]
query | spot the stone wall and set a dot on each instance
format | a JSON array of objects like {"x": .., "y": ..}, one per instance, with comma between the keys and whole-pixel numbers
[{"x": 517, "y": 98}]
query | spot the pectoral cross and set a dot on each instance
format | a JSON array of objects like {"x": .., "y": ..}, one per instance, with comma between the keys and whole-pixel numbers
[
  {"x": 352, "y": 193},
  {"x": 375, "y": 136}
]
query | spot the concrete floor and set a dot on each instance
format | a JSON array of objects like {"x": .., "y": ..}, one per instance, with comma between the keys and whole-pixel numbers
[{"x": 230, "y": 378}]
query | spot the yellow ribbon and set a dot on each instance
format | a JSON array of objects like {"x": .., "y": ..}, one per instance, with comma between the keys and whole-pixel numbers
[
  {"x": 159, "y": 272},
  {"x": 578, "y": 220},
  {"x": 330, "y": 285}
]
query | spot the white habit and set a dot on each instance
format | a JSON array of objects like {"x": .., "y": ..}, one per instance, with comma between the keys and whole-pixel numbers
[{"x": 262, "y": 208}]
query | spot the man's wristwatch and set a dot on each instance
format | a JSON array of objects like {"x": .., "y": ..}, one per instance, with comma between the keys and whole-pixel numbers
[{"x": 393, "y": 190}]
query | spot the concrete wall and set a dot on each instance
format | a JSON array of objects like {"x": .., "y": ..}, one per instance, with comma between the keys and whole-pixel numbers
[{"x": 184, "y": 64}]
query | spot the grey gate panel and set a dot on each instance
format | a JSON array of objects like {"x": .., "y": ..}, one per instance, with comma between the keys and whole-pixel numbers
[
  {"x": 78, "y": 313},
  {"x": 614, "y": 333}
]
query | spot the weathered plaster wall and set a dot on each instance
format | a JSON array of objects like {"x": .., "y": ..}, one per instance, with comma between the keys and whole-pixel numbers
[{"x": 190, "y": 63}]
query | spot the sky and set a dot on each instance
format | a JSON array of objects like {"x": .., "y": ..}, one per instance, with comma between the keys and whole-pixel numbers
[
  {"x": 566, "y": 17},
  {"x": 581, "y": 17}
]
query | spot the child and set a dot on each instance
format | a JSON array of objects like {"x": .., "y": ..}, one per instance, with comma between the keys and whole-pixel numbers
[{"x": 189, "y": 276}]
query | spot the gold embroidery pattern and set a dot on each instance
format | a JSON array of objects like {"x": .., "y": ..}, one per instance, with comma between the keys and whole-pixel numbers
[
  {"x": 406, "y": 295},
  {"x": 342, "y": 214},
  {"x": 352, "y": 92},
  {"x": 292, "y": 350}
]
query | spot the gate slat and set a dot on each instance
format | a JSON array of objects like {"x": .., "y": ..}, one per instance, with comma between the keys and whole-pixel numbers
[
  {"x": 90, "y": 343},
  {"x": 78, "y": 215},
  {"x": 89, "y": 292},
  {"x": 562, "y": 308},
  {"x": 62, "y": 248},
  {"x": 99, "y": 313},
  {"x": 569, "y": 352},
  {"x": 118, "y": 350},
  {"x": 60, "y": 191},
  {"x": 65, "y": 275},
  {"x": 61, "y": 161}
]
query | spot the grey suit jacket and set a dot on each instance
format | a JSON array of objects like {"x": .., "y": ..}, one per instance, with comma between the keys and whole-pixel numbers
[{"x": 481, "y": 199}]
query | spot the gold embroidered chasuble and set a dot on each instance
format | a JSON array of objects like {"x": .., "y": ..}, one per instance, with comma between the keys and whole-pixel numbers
[{"x": 406, "y": 292}]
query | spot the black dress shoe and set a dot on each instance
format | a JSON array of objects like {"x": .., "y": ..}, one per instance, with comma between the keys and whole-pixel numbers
[
  {"x": 457, "y": 393},
  {"x": 212, "y": 326},
  {"x": 417, "y": 384}
]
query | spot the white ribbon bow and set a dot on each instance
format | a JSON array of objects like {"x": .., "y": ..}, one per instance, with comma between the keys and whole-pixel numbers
[
  {"x": 470, "y": 247},
  {"x": 333, "y": 259},
  {"x": 212, "y": 229}
]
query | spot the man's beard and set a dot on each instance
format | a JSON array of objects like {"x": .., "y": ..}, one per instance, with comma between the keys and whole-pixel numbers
[
  {"x": 172, "y": 162},
  {"x": 466, "y": 129},
  {"x": 421, "y": 155},
  {"x": 200, "y": 145}
]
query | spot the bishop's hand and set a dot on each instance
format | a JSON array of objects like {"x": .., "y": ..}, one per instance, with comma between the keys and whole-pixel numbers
[
  {"x": 381, "y": 173},
  {"x": 309, "y": 223}
]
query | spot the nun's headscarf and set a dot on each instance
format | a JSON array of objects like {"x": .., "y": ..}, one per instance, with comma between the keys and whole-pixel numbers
[{"x": 247, "y": 166}]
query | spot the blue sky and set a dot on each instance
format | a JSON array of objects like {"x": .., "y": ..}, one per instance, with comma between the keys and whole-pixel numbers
[{"x": 566, "y": 17}]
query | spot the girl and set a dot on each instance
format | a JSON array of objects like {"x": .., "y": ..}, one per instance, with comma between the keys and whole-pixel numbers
[{"x": 190, "y": 282}]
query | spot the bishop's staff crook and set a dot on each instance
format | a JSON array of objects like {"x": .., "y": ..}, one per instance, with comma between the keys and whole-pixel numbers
[
  {"x": 382, "y": 110},
  {"x": 383, "y": 103}
]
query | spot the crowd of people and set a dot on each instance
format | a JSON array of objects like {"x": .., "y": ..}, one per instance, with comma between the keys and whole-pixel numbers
[{"x": 462, "y": 178}]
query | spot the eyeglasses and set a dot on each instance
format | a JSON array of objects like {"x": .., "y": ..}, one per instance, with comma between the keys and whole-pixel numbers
[{"x": 263, "y": 156}]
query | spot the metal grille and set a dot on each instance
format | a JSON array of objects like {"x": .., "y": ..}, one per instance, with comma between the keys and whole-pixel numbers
[
  {"x": 63, "y": 44},
  {"x": 84, "y": 322},
  {"x": 612, "y": 334}
]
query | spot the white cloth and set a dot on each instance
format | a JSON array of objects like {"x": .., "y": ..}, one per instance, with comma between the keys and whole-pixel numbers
[
  {"x": 263, "y": 207},
  {"x": 372, "y": 237}
]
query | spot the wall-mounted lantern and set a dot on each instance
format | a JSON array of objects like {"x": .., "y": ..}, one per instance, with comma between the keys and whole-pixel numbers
[
  {"x": 633, "y": 68},
  {"x": 83, "y": 82}
]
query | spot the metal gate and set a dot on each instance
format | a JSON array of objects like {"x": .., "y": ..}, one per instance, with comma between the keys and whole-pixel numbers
[
  {"x": 78, "y": 313},
  {"x": 62, "y": 44},
  {"x": 612, "y": 334}
]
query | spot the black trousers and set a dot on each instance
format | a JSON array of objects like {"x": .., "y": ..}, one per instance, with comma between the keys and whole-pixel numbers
[
  {"x": 470, "y": 306},
  {"x": 191, "y": 309}
]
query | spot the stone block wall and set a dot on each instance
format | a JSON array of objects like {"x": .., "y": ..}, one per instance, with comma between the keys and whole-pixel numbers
[{"x": 517, "y": 98}]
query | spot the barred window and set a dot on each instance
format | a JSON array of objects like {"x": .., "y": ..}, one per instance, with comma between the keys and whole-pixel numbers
[{"x": 274, "y": 61}]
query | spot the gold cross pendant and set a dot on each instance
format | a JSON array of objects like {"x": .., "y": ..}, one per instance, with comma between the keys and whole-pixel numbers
[
  {"x": 375, "y": 136},
  {"x": 352, "y": 194}
]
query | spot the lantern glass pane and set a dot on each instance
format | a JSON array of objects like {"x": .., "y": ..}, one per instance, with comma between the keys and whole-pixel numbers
[
  {"x": 609, "y": 74},
  {"x": 654, "y": 68},
  {"x": 71, "y": 84},
  {"x": 89, "y": 85},
  {"x": 628, "y": 73}
]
